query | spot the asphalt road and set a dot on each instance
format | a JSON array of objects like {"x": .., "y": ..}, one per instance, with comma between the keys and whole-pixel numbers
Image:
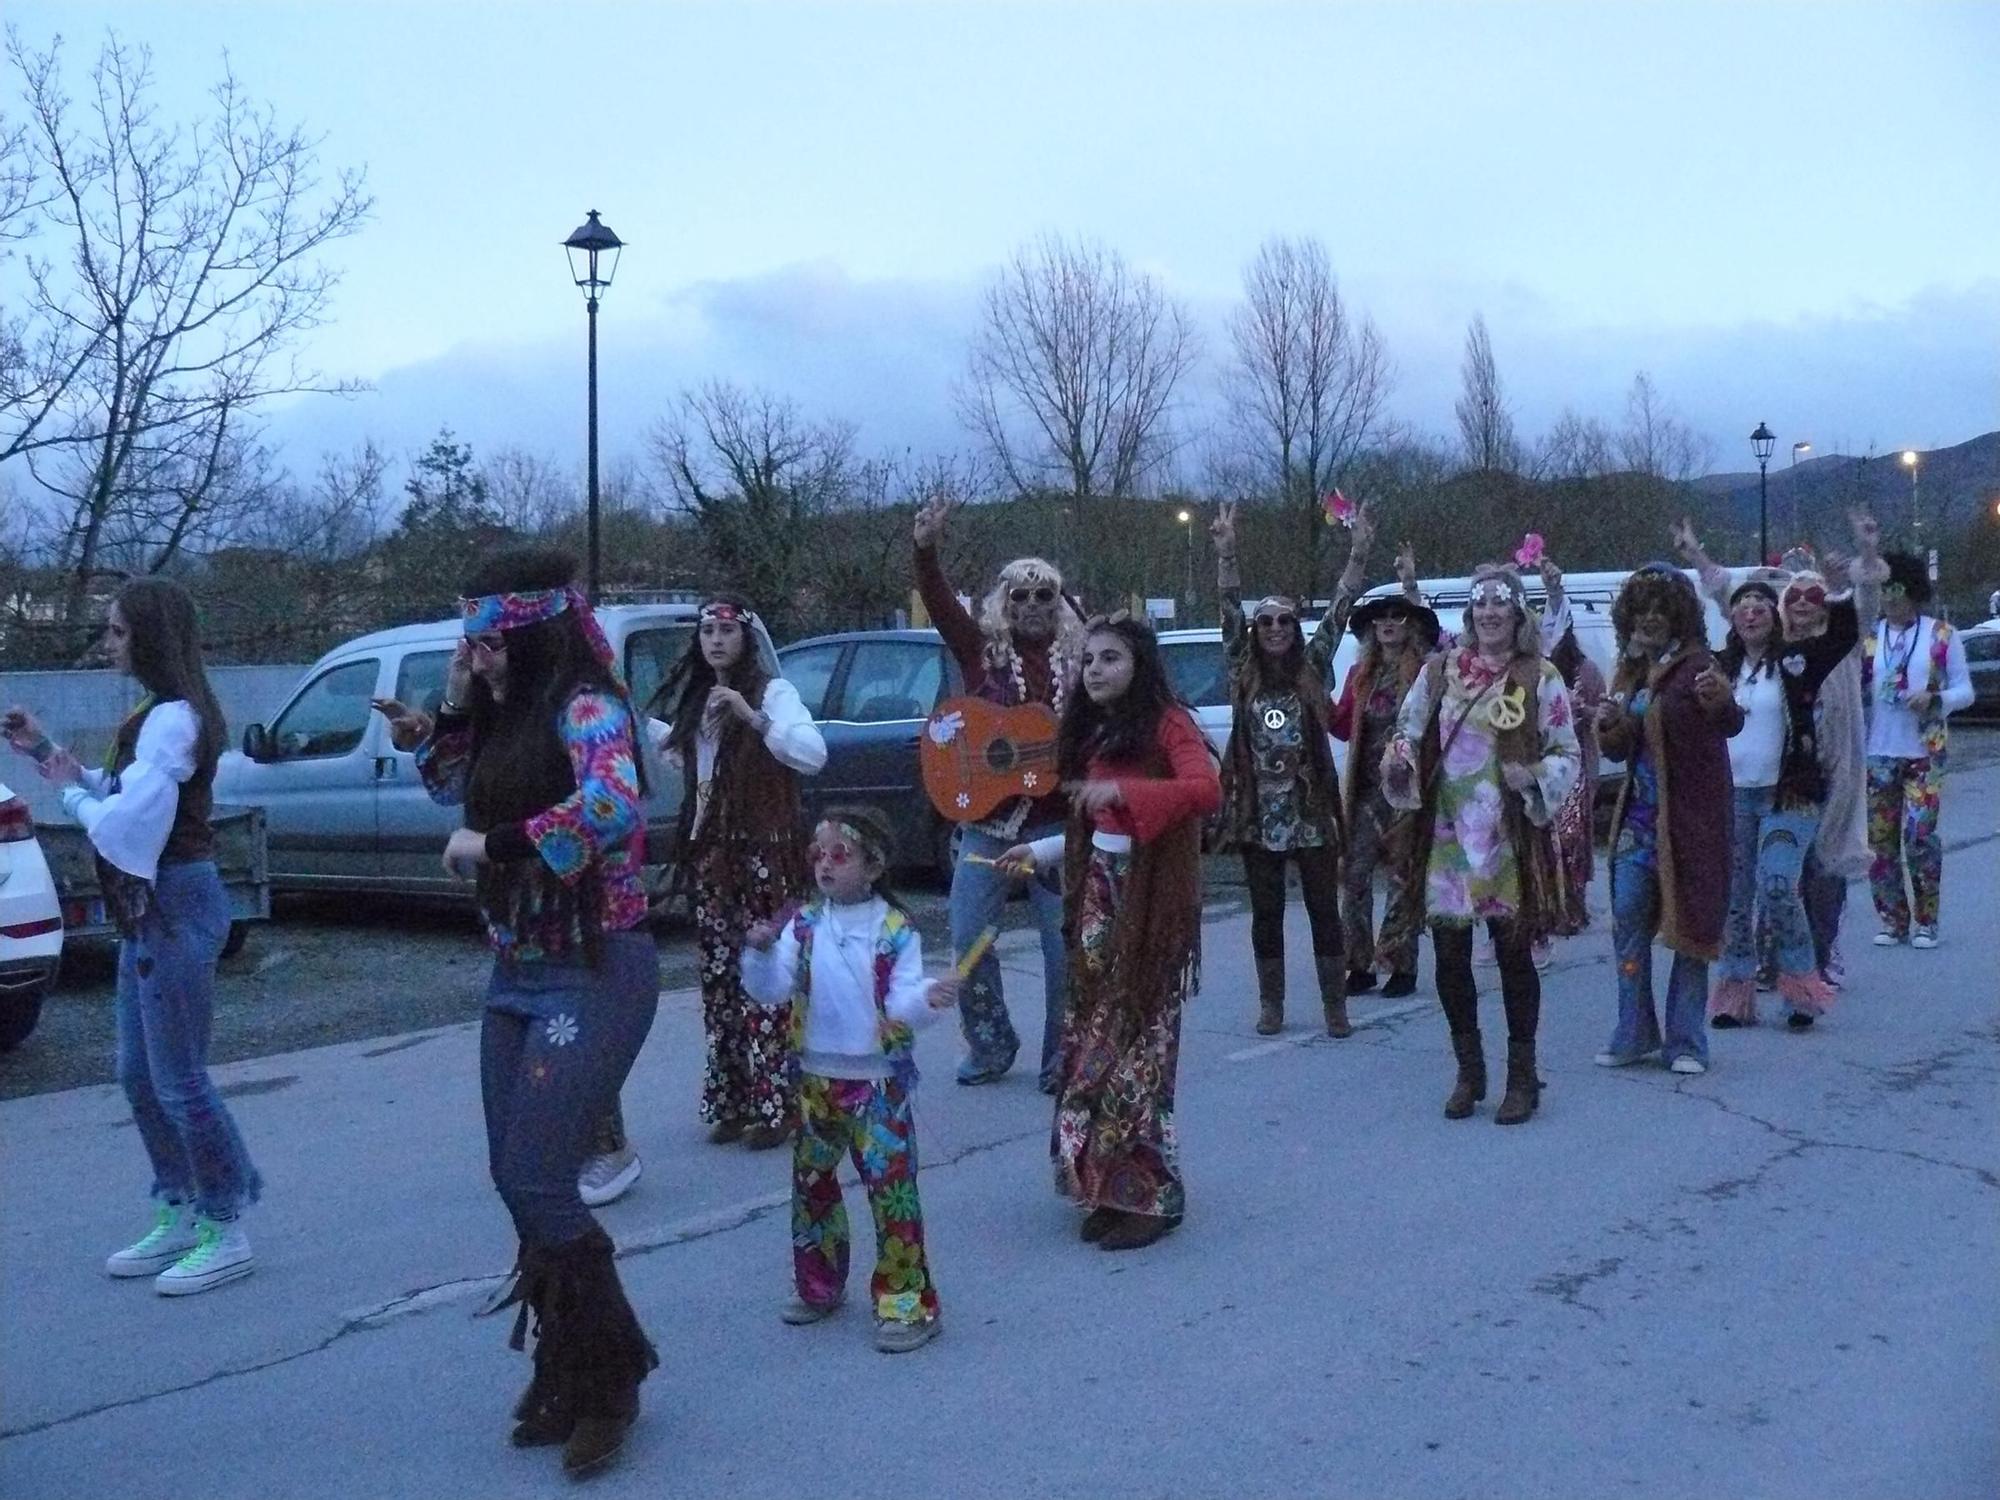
[{"x": 1775, "y": 1280}]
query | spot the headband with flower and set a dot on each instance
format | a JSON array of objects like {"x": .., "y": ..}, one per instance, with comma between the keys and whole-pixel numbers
[{"x": 511, "y": 611}]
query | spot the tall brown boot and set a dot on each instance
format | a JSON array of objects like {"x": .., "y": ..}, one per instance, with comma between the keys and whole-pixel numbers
[
  {"x": 1471, "y": 1086},
  {"x": 1333, "y": 994},
  {"x": 1270, "y": 996},
  {"x": 1524, "y": 1088}
]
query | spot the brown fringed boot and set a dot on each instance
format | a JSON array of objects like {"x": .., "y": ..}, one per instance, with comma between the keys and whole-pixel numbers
[
  {"x": 602, "y": 1354},
  {"x": 1333, "y": 994},
  {"x": 1524, "y": 1087},
  {"x": 1270, "y": 996},
  {"x": 1471, "y": 1086},
  {"x": 543, "y": 1415}
]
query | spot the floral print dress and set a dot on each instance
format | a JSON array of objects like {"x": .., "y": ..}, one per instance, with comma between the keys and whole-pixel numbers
[{"x": 1474, "y": 873}]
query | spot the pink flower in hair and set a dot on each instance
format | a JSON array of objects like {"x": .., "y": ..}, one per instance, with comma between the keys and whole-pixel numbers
[{"x": 1529, "y": 553}]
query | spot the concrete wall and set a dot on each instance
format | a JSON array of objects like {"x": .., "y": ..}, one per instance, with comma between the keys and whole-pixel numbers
[{"x": 83, "y": 710}]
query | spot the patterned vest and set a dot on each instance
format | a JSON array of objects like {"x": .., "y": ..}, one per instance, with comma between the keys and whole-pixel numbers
[
  {"x": 896, "y": 1038},
  {"x": 1931, "y": 721}
]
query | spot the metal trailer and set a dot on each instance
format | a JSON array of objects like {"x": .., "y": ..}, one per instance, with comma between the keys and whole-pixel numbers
[{"x": 239, "y": 856}]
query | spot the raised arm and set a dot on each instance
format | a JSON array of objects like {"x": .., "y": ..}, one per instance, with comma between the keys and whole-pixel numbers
[
  {"x": 1714, "y": 577},
  {"x": 961, "y": 632},
  {"x": 1346, "y": 589},
  {"x": 1229, "y": 584}
]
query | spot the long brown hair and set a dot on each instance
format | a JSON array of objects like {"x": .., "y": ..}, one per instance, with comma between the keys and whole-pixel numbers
[
  {"x": 165, "y": 635},
  {"x": 683, "y": 695}
]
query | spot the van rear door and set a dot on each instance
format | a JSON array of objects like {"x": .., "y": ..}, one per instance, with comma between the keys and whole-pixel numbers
[{"x": 316, "y": 778}]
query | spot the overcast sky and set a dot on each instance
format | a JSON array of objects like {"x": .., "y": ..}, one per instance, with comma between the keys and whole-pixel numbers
[{"x": 1786, "y": 213}]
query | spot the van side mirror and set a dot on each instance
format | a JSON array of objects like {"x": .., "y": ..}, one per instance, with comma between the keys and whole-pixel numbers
[{"x": 256, "y": 742}]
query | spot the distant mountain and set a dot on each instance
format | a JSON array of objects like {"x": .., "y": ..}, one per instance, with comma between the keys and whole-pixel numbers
[{"x": 1953, "y": 485}]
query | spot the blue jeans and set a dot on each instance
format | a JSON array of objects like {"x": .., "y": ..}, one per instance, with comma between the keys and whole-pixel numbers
[
  {"x": 166, "y": 1000},
  {"x": 1635, "y": 922},
  {"x": 555, "y": 1045},
  {"x": 978, "y": 897},
  {"x": 1766, "y": 863}
]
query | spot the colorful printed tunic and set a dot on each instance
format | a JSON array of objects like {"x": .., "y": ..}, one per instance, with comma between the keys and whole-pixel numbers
[
  {"x": 1474, "y": 873},
  {"x": 589, "y": 848},
  {"x": 1288, "y": 808}
]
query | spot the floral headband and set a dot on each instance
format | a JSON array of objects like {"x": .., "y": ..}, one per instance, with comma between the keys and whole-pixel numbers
[
  {"x": 869, "y": 844},
  {"x": 511, "y": 611},
  {"x": 719, "y": 609}
]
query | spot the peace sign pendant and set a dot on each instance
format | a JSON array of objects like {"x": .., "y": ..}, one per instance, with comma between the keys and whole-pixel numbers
[
  {"x": 1509, "y": 710},
  {"x": 1274, "y": 718}
]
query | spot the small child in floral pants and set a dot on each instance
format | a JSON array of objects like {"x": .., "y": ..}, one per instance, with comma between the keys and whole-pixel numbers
[{"x": 851, "y": 964}]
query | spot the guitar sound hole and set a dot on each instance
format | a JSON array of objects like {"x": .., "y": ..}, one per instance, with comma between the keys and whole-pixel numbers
[{"x": 1001, "y": 756}]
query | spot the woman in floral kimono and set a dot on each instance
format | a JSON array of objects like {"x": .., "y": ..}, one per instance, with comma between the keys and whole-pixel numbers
[{"x": 1485, "y": 754}]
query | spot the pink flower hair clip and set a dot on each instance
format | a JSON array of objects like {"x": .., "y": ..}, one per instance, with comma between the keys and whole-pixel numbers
[
  {"x": 1337, "y": 508},
  {"x": 1529, "y": 553}
]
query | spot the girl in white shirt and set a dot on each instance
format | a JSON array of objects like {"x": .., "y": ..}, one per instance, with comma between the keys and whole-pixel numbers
[
  {"x": 851, "y": 968},
  {"x": 146, "y": 813}
]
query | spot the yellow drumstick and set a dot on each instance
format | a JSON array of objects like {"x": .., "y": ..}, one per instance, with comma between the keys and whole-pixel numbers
[{"x": 976, "y": 952}]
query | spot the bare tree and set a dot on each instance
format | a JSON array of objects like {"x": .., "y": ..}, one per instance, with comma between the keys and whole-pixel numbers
[
  {"x": 530, "y": 491},
  {"x": 182, "y": 265},
  {"x": 1577, "y": 447},
  {"x": 1485, "y": 426},
  {"x": 1072, "y": 372},
  {"x": 753, "y": 473},
  {"x": 1655, "y": 441},
  {"x": 1307, "y": 386}
]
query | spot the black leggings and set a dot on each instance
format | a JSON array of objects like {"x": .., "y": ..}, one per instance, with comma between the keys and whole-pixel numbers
[
  {"x": 1319, "y": 881},
  {"x": 1520, "y": 985}
]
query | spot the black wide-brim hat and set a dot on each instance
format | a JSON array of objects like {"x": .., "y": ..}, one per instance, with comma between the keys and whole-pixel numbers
[{"x": 1363, "y": 617}]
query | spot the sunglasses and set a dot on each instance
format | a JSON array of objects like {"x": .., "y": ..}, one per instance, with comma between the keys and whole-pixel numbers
[
  {"x": 1812, "y": 594},
  {"x": 488, "y": 645},
  {"x": 835, "y": 854},
  {"x": 1895, "y": 591},
  {"x": 1270, "y": 622},
  {"x": 1042, "y": 595}
]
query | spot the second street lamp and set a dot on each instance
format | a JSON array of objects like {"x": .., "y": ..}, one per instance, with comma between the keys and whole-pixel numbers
[
  {"x": 1762, "y": 441},
  {"x": 593, "y": 258}
]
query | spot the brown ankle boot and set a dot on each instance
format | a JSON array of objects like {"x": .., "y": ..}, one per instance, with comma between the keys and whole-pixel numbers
[
  {"x": 1270, "y": 996},
  {"x": 1471, "y": 1086},
  {"x": 1333, "y": 995},
  {"x": 1524, "y": 1088}
]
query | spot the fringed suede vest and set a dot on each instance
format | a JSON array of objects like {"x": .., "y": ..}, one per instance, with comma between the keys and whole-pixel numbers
[
  {"x": 753, "y": 831},
  {"x": 1319, "y": 789},
  {"x": 1156, "y": 936}
]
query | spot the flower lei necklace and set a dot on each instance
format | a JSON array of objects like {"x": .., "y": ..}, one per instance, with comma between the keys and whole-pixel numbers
[{"x": 1058, "y": 676}]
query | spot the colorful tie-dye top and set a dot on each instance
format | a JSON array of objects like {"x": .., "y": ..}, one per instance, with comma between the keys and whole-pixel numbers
[{"x": 590, "y": 846}]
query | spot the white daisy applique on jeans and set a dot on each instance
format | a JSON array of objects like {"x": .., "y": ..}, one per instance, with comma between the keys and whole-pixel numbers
[{"x": 561, "y": 1030}]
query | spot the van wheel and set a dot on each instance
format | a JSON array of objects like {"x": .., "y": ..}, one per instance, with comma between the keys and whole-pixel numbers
[
  {"x": 18, "y": 1015},
  {"x": 239, "y": 933}
]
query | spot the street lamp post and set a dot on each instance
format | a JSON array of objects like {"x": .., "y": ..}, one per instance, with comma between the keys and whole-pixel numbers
[
  {"x": 1916, "y": 515},
  {"x": 1762, "y": 441},
  {"x": 1186, "y": 518},
  {"x": 1798, "y": 510},
  {"x": 593, "y": 258}
]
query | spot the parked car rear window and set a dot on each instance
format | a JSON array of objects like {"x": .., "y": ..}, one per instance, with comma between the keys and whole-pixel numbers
[
  {"x": 330, "y": 716},
  {"x": 1198, "y": 672},
  {"x": 810, "y": 669},
  {"x": 1984, "y": 647},
  {"x": 649, "y": 655},
  {"x": 891, "y": 680}
]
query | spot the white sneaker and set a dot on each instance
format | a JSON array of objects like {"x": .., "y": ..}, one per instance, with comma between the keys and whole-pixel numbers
[
  {"x": 1687, "y": 1065},
  {"x": 171, "y": 1237},
  {"x": 1887, "y": 939},
  {"x": 221, "y": 1253},
  {"x": 1621, "y": 1059},
  {"x": 607, "y": 1178},
  {"x": 1544, "y": 954},
  {"x": 1926, "y": 937}
]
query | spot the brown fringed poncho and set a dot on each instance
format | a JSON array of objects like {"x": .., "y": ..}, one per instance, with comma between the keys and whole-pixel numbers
[{"x": 1156, "y": 940}]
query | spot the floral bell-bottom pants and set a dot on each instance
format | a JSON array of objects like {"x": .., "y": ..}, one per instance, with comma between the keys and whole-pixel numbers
[{"x": 868, "y": 1119}]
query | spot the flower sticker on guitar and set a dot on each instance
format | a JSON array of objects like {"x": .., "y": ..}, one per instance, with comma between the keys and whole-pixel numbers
[{"x": 945, "y": 727}]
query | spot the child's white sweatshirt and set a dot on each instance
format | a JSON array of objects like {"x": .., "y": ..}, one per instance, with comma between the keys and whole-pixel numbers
[{"x": 843, "y": 1036}]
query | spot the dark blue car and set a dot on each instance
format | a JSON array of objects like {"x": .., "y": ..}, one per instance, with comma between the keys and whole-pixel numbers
[{"x": 871, "y": 691}]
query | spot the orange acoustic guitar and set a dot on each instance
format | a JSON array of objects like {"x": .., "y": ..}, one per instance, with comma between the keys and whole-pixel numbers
[{"x": 975, "y": 755}]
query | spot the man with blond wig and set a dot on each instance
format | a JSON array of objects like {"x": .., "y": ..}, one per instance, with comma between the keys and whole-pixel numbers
[{"x": 1023, "y": 648}]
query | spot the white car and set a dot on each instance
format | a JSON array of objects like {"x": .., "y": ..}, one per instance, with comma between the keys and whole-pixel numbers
[{"x": 31, "y": 925}]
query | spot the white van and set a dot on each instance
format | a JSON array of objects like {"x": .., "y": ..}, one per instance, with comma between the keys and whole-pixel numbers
[{"x": 346, "y": 810}]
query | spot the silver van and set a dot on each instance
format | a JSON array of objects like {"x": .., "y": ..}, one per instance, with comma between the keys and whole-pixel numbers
[{"x": 346, "y": 810}]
